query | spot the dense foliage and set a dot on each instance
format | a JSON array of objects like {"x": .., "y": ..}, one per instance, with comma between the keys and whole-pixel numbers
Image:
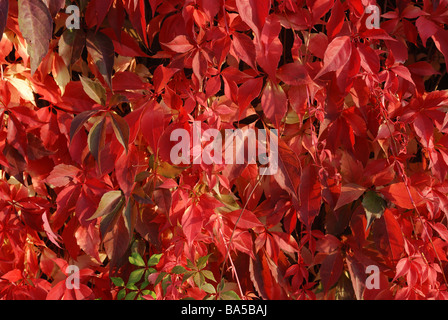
[{"x": 86, "y": 177}]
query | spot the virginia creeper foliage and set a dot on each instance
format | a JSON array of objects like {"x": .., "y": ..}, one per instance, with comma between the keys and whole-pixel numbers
[{"x": 86, "y": 177}]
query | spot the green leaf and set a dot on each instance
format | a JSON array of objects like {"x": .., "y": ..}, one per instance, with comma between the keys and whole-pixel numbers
[
  {"x": 36, "y": 25},
  {"x": 165, "y": 282},
  {"x": 121, "y": 130},
  {"x": 149, "y": 292},
  {"x": 208, "y": 274},
  {"x": 188, "y": 275},
  {"x": 136, "y": 275},
  {"x": 131, "y": 286},
  {"x": 230, "y": 295},
  {"x": 207, "y": 287},
  {"x": 94, "y": 90},
  {"x": 144, "y": 284},
  {"x": 221, "y": 285},
  {"x": 109, "y": 220},
  {"x": 136, "y": 259},
  {"x": 131, "y": 295},
  {"x": 101, "y": 49},
  {"x": 141, "y": 176},
  {"x": 178, "y": 270},
  {"x": 117, "y": 282},
  {"x": 374, "y": 206},
  {"x": 202, "y": 261},
  {"x": 154, "y": 260},
  {"x": 160, "y": 277},
  {"x": 121, "y": 294},
  {"x": 199, "y": 279},
  {"x": 190, "y": 264},
  {"x": 79, "y": 121},
  {"x": 110, "y": 202},
  {"x": 130, "y": 217},
  {"x": 96, "y": 138}
]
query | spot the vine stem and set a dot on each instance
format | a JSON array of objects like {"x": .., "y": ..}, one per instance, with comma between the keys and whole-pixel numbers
[
  {"x": 231, "y": 238},
  {"x": 235, "y": 273},
  {"x": 408, "y": 190}
]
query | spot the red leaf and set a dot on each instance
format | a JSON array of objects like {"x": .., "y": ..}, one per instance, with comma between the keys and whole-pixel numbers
[
  {"x": 127, "y": 166},
  {"x": 349, "y": 193},
  {"x": 398, "y": 194},
  {"x": 88, "y": 239},
  {"x": 210, "y": 7},
  {"x": 244, "y": 48},
  {"x": 62, "y": 175},
  {"x": 318, "y": 44},
  {"x": 426, "y": 29},
  {"x": 337, "y": 55},
  {"x": 357, "y": 276},
  {"x": 13, "y": 275},
  {"x": 403, "y": 72},
  {"x": 294, "y": 74},
  {"x": 310, "y": 195},
  {"x": 125, "y": 45},
  {"x": 162, "y": 75},
  {"x": 136, "y": 11},
  {"x": 116, "y": 17},
  {"x": 424, "y": 129},
  {"x": 192, "y": 223},
  {"x": 370, "y": 61},
  {"x": 289, "y": 171},
  {"x": 331, "y": 269},
  {"x": 336, "y": 21},
  {"x": 269, "y": 48},
  {"x": 320, "y": 7},
  {"x": 68, "y": 236},
  {"x": 422, "y": 68},
  {"x": 53, "y": 237},
  {"x": 96, "y": 12},
  {"x": 180, "y": 44},
  {"x": 116, "y": 240},
  {"x": 152, "y": 125},
  {"x": 36, "y": 25},
  {"x": 163, "y": 199},
  {"x": 263, "y": 280},
  {"x": 274, "y": 102},
  {"x": 247, "y": 220},
  {"x": 285, "y": 241},
  {"x": 441, "y": 41},
  {"x": 123, "y": 81},
  {"x": 199, "y": 65},
  {"x": 378, "y": 172},
  {"x": 254, "y": 13},
  {"x": 247, "y": 92},
  {"x": 388, "y": 236}
]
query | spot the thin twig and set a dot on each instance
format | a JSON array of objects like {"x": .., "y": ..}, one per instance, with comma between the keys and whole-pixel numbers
[
  {"x": 405, "y": 181},
  {"x": 233, "y": 232}
]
